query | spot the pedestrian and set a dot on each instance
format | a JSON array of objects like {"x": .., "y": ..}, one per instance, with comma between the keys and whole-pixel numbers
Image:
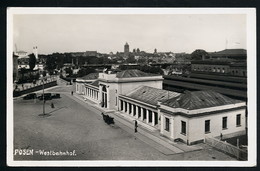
[
  {"x": 221, "y": 136},
  {"x": 136, "y": 126},
  {"x": 72, "y": 93},
  {"x": 52, "y": 105}
]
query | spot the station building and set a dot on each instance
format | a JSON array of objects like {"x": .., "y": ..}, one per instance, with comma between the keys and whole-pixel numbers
[{"x": 188, "y": 116}]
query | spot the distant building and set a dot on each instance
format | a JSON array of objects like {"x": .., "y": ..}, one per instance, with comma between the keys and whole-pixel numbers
[
  {"x": 79, "y": 58},
  {"x": 227, "y": 62},
  {"x": 21, "y": 54},
  {"x": 236, "y": 54}
]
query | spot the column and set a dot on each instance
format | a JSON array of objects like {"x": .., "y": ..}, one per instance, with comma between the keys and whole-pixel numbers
[
  {"x": 142, "y": 114},
  {"x": 128, "y": 108},
  {"x": 162, "y": 124},
  {"x": 153, "y": 118},
  {"x": 136, "y": 112},
  {"x": 125, "y": 107},
  {"x": 133, "y": 110},
  {"x": 147, "y": 116}
]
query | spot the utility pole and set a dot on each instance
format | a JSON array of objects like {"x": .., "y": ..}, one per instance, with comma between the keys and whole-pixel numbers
[{"x": 43, "y": 98}]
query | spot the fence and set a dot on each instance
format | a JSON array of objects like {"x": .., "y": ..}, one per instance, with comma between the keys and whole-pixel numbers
[
  {"x": 227, "y": 148},
  {"x": 35, "y": 88}
]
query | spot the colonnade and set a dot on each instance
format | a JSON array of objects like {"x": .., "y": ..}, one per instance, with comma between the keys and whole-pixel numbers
[
  {"x": 91, "y": 93},
  {"x": 139, "y": 112}
]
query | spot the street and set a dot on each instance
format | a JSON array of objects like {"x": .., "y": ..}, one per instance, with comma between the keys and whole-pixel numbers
[{"x": 75, "y": 126}]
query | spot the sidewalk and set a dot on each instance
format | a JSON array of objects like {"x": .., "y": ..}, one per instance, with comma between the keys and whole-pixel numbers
[{"x": 145, "y": 133}]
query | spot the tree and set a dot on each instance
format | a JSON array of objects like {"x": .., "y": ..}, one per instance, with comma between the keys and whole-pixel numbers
[
  {"x": 68, "y": 71},
  {"x": 22, "y": 72},
  {"x": 131, "y": 59},
  {"x": 51, "y": 63},
  {"x": 32, "y": 61},
  {"x": 59, "y": 58},
  {"x": 199, "y": 54},
  {"x": 44, "y": 73},
  {"x": 85, "y": 71},
  {"x": 151, "y": 69}
]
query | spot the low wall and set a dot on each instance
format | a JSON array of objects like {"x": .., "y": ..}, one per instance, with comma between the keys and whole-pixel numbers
[{"x": 33, "y": 89}]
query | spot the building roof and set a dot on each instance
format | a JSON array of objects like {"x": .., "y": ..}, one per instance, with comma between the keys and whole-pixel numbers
[
  {"x": 199, "y": 99},
  {"x": 133, "y": 73},
  {"x": 230, "y": 52},
  {"x": 151, "y": 95},
  {"x": 21, "y": 51},
  {"x": 95, "y": 83},
  {"x": 91, "y": 76},
  {"x": 212, "y": 61}
]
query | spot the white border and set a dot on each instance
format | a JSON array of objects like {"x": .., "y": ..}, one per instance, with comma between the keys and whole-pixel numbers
[{"x": 251, "y": 63}]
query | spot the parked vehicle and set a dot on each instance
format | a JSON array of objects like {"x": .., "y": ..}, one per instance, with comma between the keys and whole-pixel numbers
[
  {"x": 30, "y": 96},
  {"x": 56, "y": 96},
  {"x": 47, "y": 96},
  {"x": 108, "y": 119}
]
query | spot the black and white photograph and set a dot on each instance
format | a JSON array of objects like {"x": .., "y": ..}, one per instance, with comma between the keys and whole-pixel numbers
[{"x": 131, "y": 87}]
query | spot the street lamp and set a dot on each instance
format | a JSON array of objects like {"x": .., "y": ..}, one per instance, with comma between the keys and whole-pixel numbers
[{"x": 43, "y": 109}]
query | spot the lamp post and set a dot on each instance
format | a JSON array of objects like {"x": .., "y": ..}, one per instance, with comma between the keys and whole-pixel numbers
[{"x": 43, "y": 107}]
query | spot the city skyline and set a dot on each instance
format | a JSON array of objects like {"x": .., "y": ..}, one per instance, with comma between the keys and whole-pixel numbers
[{"x": 108, "y": 33}]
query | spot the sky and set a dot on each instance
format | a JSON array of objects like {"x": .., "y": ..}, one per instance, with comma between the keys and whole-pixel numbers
[{"x": 109, "y": 32}]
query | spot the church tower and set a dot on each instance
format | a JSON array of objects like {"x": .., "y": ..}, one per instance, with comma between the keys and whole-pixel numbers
[{"x": 126, "y": 50}]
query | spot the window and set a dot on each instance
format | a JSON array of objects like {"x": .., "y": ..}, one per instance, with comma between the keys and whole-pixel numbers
[
  {"x": 207, "y": 126},
  {"x": 130, "y": 108},
  {"x": 134, "y": 110},
  {"x": 150, "y": 116},
  {"x": 167, "y": 124},
  {"x": 125, "y": 107},
  {"x": 239, "y": 120},
  {"x": 139, "y": 111},
  {"x": 183, "y": 127},
  {"x": 224, "y": 123}
]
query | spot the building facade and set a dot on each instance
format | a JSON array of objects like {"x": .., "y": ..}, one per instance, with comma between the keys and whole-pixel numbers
[
  {"x": 194, "y": 115},
  {"x": 188, "y": 117},
  {"x": 226, "y": 62}
]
